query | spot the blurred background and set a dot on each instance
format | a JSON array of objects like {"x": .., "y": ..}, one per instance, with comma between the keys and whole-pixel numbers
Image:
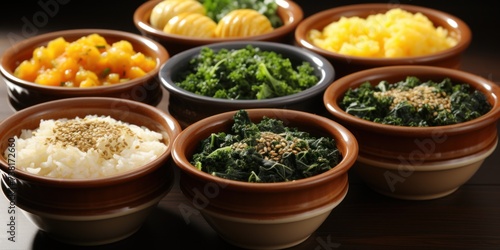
[{"x": 23, "y": 19}]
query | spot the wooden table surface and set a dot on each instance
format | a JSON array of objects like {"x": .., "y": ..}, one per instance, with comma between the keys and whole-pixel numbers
[{"x": 467, "y": 219}]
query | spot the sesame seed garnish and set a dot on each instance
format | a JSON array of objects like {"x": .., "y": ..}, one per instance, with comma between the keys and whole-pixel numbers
[
  {"x": 87, "y": 134},
  {"x": 419, "y": 96},
  {"x": 273, "y": 146}
]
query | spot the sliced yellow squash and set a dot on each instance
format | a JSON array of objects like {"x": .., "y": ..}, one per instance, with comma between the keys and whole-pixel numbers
[
  {"x": 243, "y": 22},
  {"x": 191, "y": 24},
  {"x": 165, "y": 10}
]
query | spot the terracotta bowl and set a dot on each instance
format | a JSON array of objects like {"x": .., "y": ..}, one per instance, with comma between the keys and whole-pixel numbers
[
  {"x": 275, "y": 215},
  {"x": 418, "y": 163},
  {"x": 290, "y": 13},
  {"x": 345, "y": 64},
  {"x": 188, "y": 107},
  {"x": 89, "y": 211},
  {"x": 23, "y": 93}
]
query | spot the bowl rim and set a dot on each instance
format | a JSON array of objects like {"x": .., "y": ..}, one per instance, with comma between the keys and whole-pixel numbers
[
  {"x": 50, "y": 106},
  {"x": 317, "y": 61},
  {"x": 162, "y": 57},
  {"x": 465, "y": 34},
  {"x": 338, "y": 88},
  {"x": 144, "y": 26},
  {"x": 207, "y": 124}
]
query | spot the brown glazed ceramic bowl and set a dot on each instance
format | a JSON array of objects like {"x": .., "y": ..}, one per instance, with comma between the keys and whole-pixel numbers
[
  {"x": 88, "y": 211},
  {"x": 188, "y": 107},
  {"x": 418, "y": 162},
  {"x": 264, "y": 215},
  {"x": 345, "y": 64},
  {"x": 23, "y": 93},
  {"x": 289, "y": 11}
]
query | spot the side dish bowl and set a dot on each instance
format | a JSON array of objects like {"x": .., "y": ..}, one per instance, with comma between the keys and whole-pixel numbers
[
  {"x": 24, "y": 93},
  {"x": 290, "y": 13},
  {"x": 418, "y": 163},
  {"x": 265, "y": 215},
  {"x": 88, "y": 211},
  {"x": 188, "y": 107},
  {"x": 345, "y": 64}
]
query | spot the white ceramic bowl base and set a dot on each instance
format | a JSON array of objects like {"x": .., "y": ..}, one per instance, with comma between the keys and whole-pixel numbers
[
  {"x": 420, "y": 182},
  {"x": 93, "y": 230},
  {"x": 270, "y": 234}
]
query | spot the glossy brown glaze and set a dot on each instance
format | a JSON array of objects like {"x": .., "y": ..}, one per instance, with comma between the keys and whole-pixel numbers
[
  {"x": 23, "y": 93},
  {"x": 90, "y": 197},
  {"x": 263, "y": 200},
  {"x": 289, "y": 11},
  {"x": 345, "y": 64},
  {"x": 417, "y": 148}
]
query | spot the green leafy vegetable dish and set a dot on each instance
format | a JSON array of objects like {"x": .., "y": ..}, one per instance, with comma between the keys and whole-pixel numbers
[
  {"x": 412, "y": 102},
  {"x": 248, "y": 73},
  {"x": 265, "y": 152},
  {"x": 216, "y": 9}
]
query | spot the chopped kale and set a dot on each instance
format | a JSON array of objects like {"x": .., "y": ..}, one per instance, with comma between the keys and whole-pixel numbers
[
  {"x": 267, "y": 151},
  {"x": 414, "y": 103},
  {"x": 245, "y": 74}
]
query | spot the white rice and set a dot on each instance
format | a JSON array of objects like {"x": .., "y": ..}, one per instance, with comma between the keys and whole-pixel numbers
[{"x": 117, "y": 148}]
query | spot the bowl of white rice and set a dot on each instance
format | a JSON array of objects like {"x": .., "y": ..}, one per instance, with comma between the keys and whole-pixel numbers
[
  {"x": 87, "y": 171},
  {"x": 363, "y": 36}
]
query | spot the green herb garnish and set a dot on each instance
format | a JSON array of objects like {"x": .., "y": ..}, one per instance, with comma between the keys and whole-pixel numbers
[
  {"x": 217, "y": 9},
  {"x": 105, "y": 72}
]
